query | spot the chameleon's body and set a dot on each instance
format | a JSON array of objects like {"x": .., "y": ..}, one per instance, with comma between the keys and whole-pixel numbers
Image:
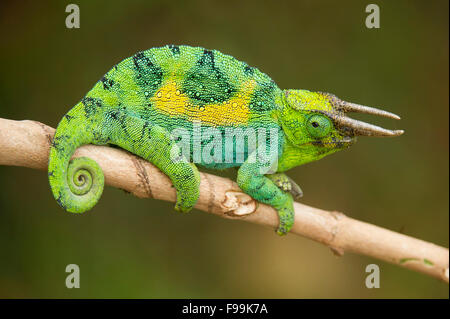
[{"x": 143, "y": 99}]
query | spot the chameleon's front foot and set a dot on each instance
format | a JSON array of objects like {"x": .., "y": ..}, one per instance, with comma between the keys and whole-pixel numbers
[
  {"x": 266, "y": 189},
  {"x": 286, "y": 212},
  {"x": 285, "y": 183},
  {"x": 286, "y": 216}
]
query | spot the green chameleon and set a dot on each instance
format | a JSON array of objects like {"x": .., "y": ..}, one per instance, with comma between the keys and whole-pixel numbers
[{"x": 140, "y": 103}]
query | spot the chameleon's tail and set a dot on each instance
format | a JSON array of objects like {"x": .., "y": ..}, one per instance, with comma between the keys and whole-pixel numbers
[{"x": 76, "y": 184}]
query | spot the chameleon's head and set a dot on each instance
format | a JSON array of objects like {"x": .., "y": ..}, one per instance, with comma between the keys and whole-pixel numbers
[{"x": 317, "y": 122}]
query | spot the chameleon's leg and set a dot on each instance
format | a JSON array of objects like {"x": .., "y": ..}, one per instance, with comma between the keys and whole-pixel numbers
[
  {"x": 285, "y": 183},
  {"x": 253, "y": 182},
  {"x": 153, "y": 143}
]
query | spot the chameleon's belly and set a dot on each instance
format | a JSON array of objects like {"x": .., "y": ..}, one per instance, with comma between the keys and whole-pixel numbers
[{"x": 225, "y": 147}]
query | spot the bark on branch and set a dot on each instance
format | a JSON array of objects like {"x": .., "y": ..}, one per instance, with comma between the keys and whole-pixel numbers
[{"x": 26, "y": 143}]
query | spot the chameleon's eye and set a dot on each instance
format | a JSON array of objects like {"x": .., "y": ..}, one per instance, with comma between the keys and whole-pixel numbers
[{"x": 318, "y": 126}]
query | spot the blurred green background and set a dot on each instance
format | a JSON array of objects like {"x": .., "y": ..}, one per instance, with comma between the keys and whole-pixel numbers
[{"x": 132, "y": 248}]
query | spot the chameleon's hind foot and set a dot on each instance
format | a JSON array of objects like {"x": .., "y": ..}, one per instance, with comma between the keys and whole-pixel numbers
[
  {"x": 285, "y": 183},
  {"x": 187, "y": 179}
]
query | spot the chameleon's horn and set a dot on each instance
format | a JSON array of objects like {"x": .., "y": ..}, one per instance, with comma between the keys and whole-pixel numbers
[
  {"x": 352, "y": 107},
  {"x": 356, "y": 127},
  {"x": 364, "y": 129},
  {"x": 359, "y": 127}
]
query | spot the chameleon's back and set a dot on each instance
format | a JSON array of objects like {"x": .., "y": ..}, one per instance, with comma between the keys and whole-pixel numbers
[{"x": 180, "y": 84}]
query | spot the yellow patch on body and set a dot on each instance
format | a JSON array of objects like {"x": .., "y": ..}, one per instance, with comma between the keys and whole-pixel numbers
[{"x": 170, "y": 100}]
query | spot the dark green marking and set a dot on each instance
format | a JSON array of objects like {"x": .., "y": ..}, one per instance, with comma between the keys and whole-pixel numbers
[
  {"x": 68, "y": 117},
  {"x": 148, "y": 75},
  {"x": 107, "y": 83},
  {"x": 205, "y": 83},
  {"x": 174, "y": 48},
  {"x": 248, "y": 70},
  {"x": 91, "y": 104},
  {"x": 263, "y": 98}
]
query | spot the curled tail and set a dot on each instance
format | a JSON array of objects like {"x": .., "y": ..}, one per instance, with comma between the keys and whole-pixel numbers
[{"x": 76, "y": 184}]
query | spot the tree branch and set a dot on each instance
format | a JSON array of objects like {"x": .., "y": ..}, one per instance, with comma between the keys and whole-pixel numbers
[{"x": 26, "y": 143}]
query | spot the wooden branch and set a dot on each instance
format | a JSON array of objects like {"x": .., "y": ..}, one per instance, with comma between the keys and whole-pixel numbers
[{"x": 26, "y": 143}]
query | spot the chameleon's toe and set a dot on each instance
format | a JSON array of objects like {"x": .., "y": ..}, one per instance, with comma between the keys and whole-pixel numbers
[
  {"x": 179, "y": 207},
  {"x": 186, "y": 201},
  {"x": 295, "y": 190},
  {"x": 286, "y": 184}
]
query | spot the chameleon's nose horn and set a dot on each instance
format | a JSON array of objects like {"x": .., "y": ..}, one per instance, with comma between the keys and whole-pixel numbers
[
  {"x": 352, "y": 107},
  {"x": 364, "y": 129}
]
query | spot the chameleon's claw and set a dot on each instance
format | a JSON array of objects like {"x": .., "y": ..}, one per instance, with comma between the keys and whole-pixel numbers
[
  {"x": 285, "y": 183},
  {"x": 295, "y": 191},
  {"x": 182, "y": 209},
  {"x": 179, "y": 207}
]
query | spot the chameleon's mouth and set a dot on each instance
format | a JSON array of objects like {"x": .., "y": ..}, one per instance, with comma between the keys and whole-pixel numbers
[
  {"x": 346, "y": 141},
  {"x": 343, "y": 142}
]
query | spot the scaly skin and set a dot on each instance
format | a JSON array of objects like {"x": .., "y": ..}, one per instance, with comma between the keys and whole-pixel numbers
[{"x": 141, "y": 100}]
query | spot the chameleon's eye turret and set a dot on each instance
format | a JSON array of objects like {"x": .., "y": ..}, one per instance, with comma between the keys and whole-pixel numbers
[{"x": 318, "y": 126}]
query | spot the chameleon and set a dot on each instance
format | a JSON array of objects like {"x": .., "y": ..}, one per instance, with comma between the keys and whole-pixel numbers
[{"x": 140, "y": 103}]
